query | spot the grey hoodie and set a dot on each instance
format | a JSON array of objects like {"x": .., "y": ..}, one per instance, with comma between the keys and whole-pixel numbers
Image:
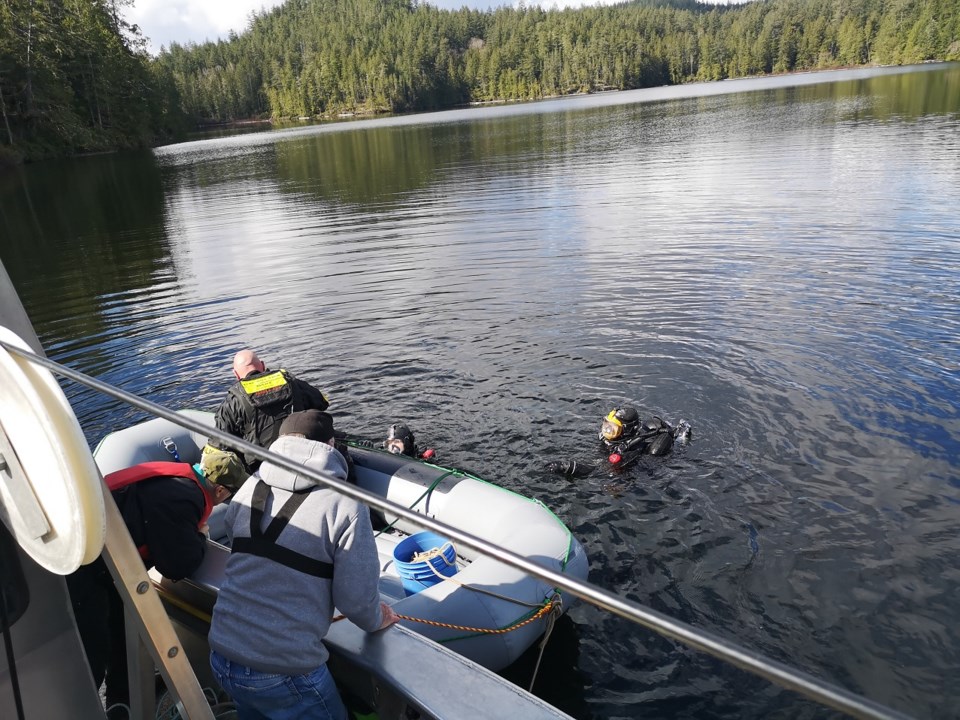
[{"x": 272, "y": 618}]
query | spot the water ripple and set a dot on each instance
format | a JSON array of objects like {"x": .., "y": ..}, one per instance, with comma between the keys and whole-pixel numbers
[{"x": 779, "y": 268}]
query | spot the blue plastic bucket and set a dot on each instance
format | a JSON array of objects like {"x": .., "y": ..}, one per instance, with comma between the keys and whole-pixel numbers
[{"x": 417, "y": 575}]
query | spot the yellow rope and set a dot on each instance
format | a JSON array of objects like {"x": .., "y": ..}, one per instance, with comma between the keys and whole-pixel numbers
[
  {"x": 466, "y": 628},
  {"x": 543, "y": 609},
  {"x": 492, "y": 631}
]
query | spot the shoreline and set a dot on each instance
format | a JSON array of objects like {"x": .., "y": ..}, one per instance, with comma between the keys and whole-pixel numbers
[{"x": 370, "y": 114}]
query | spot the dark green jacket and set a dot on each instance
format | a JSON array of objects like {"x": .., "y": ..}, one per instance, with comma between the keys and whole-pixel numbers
[{"x": 255, "y": 407}]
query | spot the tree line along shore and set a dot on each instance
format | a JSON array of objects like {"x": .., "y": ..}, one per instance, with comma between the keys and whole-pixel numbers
[{"x": 75, "y": 76}]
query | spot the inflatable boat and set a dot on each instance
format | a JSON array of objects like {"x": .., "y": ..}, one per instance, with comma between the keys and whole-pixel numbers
[{"x": 474, "y": 605}]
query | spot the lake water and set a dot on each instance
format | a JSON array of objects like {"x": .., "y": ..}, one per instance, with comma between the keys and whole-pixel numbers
[{"x": 775, "y": 260}]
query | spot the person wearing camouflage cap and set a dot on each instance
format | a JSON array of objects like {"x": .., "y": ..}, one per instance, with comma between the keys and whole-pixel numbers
[
  {"x": 165, "y": 506},
  {"x": 223, "y": 468}
]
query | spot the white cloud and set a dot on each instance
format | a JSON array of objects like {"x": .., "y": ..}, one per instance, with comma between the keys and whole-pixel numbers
[{"x": 183, "y": 21}]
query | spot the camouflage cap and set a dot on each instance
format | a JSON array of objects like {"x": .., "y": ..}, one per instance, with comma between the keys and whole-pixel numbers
[{"x": 222, "y": 467}]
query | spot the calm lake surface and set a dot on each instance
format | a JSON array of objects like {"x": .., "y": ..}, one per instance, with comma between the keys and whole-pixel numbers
[{"x": 775, "y": 260}]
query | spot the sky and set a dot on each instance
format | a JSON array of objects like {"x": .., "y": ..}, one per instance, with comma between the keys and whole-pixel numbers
[{"x": 183, "y": 21}]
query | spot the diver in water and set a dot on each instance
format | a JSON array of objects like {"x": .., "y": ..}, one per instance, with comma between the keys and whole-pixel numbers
[
  {"x": 399, "y": 441},
  {"x": 624, "y": 439}
]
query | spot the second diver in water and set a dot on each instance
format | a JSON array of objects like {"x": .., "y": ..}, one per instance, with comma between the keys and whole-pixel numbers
[
  {"x": 399, "y": 441},
  {"x": 624, "y": 438}
]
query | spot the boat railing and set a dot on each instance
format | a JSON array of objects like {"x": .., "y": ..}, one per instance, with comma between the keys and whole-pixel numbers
[{"x": 754, "y": 662}]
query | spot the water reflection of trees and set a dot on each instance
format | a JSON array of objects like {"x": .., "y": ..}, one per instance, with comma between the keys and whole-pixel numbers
[
  {"x": 387, "y": 165},
  {"x": 77, "y": 230},
  {"x": 901, "y": 95}
]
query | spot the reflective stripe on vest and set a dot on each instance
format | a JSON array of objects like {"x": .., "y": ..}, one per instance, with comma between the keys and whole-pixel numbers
[
  {"x": 264, "y": 383},
  {"x": 264, "y": 543},
  {"x": 146, "y": 471}
]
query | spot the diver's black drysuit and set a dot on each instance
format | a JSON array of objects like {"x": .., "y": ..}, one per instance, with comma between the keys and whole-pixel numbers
[{"x": 653, "y": 436}]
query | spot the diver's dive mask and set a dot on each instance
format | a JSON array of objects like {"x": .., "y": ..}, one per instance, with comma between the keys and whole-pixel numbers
[
  {"x": 611, "y": 428},
  {"x": 400, "y": 441}
]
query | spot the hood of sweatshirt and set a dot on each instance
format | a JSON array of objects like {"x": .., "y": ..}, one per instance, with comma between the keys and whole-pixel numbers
[{"x": 317, "y": 456}]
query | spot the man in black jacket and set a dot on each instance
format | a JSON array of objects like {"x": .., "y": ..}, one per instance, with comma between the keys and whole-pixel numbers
[
  {"x": 259, "y": 401},
  {"x": 165, "y": 507}
]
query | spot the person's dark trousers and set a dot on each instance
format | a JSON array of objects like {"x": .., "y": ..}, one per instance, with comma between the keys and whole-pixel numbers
[
  {"x": 98, "y": 610},
  {"x": 118, "y": 689}
]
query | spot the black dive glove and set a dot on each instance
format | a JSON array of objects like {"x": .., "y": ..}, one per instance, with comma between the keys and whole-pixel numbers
[{"x": 569, "y": 468}]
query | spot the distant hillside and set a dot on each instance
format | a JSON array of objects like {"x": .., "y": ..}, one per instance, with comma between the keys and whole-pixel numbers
[
  {"x": 323, "y": 57},
  {"x": 74, "y": 77}
]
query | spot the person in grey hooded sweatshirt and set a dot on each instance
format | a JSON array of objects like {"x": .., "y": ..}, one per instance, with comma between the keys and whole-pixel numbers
[{"x": 298, "y": 549}]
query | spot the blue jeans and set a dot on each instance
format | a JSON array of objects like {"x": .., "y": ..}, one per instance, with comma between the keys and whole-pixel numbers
[{"x": 271, "y": 696}]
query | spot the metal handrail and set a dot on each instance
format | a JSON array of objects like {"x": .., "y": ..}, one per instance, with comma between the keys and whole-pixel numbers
[{"x": 803, "y": 683}]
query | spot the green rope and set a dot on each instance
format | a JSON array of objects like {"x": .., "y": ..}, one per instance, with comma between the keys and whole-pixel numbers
[
  {"x": 433, "y": 486},
  {"x": 463, "y": 473}
]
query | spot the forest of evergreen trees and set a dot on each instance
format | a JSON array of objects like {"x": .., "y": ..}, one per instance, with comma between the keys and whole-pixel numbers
[{"x": 75, "y": 77}]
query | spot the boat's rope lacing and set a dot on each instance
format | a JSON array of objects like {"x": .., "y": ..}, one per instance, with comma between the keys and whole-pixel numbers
[
  {"x": 521, "y": 622},
  {"x": 544, "y": 609},
  {"x": 433, "y": 486},
  {"x": 483, "y": 591},
  {"x": 555, "y": 612},
  {"x": 553, "y": 606}
]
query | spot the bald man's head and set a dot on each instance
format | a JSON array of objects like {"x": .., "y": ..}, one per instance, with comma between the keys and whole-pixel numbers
[{"x": 246, "y": 362}]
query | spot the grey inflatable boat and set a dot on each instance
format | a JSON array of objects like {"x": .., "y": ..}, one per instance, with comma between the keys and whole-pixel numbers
[{"x": 487, "y": 611}]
